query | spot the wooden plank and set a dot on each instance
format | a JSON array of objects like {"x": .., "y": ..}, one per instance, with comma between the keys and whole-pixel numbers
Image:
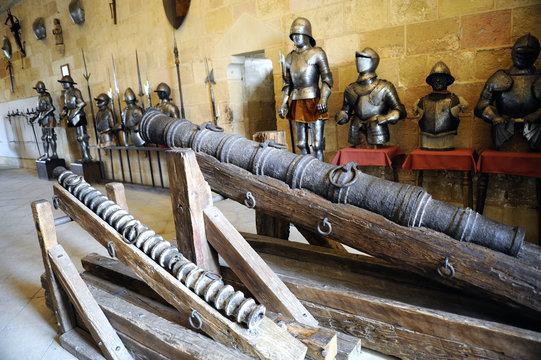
[
  {"x": 419, "y": 250},
  {"x": 140, "y": 351},
  {"x": 44, "y": 223},
  {"x": 261, "y": 343},
  {"x": 80, "y": 344},
  {"x": 190, "y": 195},
  {"x": 158, "y": 334},
  {"x": 321, "y": 343},
  {"x": 348, "y": 346},
  {"x": 116, "y": 192},
  {"x": 98, "y": 325},
  {"x": 271, "y": 226},
  {"x": 251, "y": 269}
]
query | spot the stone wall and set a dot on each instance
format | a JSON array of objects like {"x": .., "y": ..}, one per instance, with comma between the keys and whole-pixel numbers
[{"x": 474, "y": 38}]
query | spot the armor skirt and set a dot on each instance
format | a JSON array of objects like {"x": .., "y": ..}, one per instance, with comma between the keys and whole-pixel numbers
[{"x": 305, "y": 111}]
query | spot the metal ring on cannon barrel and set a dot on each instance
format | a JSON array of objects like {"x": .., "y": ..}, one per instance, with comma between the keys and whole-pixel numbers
[
  {"x": 446, "y": 270},
  {"x": 326, "y": 224},
  {"x": 249, "y": 200},
  {"x": 344, "y": 168},
  {"x": 194, "y": 315}
]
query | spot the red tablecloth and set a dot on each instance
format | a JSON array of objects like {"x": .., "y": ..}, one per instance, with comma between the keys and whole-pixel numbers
[
  {"x": 458, "y": 159},
  {"x": 367, "y": 157},
  {"x": 512, "y": 163}
]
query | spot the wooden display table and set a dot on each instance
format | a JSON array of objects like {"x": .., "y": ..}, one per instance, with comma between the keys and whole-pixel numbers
[
  {"x": 461, "y": 159},
  {"x": 369, "y": 157}
]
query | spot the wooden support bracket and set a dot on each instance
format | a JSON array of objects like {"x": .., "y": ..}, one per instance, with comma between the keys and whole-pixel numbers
[{"x": 190, "y": 195}]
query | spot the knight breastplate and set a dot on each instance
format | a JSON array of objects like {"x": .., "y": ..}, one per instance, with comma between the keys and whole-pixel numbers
[
  {"x": 132, "y": 117},
  {"x": 437, "y": 118},
  {"x": 167, "y": 108},
  {"x": 70, "y": 100},
  {"x": 44, "y": 104},
  {"x": 304, "y": 75},
  {"x": 519, "y": 100},
  {"x": 104, "y": 119},
  {"x": 367, "y": 104}
]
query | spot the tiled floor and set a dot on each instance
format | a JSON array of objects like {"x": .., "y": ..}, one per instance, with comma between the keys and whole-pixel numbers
[{"x": 27, "y": 326}]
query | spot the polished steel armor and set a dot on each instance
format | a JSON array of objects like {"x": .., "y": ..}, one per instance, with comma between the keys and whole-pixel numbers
[
  {"x": 6, "y": 47},
  {"x": 370, "y": 103},
  {"x": 47, "y": 121},
  {"x": 73, "y": 111},
  {"x": 38, "y": 26},
  {"x": 514, "y": 96},
  {"x": 105, "y": 122},
  {"x": 304, "y": 67},
  {"x": 166, "y": 104},
  {"x": 131, "y": 117},
  {"x": 77, "y": 12},
  {"x": 439, "y": 111}
]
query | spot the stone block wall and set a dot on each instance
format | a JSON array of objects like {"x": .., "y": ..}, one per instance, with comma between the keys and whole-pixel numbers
[{"x": 474, "y": 38}]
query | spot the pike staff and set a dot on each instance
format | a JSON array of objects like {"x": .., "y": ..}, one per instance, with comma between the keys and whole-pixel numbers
[
  {"x": 86, "y": 75},
  {"x": 120, "y": 130},
  {"x": 141, "y": 94},
  {"x": 282, "y": 62},
  {"x": 177, "y": 64},
  {"x": 210, "y": 80}
]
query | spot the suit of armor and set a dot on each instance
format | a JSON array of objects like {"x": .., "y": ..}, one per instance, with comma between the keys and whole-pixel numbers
[
  {"x": 47, "y": 121},
  {"x": 514, "y": 96},
  {"x": 166, "y": 106},
  {"x": 304, "y": 67},
  {"x": 370, "y": 103},
  {"x": 131, "y": 117},
  {"x": 439, "y": 111},
  {"x": 73, "y": 111},
  {"x": 105, "y": 122}
]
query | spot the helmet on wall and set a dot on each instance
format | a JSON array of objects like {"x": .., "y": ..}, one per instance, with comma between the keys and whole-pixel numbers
[
  {"x": 77, "y": 13},
  {"x": 39, "y": 28},
  {"x": 367, "y": 60},
  {"x": 440, "y": 69},
  {"x": 302, "y": 26},
  {"x": 6, "y": 47}
]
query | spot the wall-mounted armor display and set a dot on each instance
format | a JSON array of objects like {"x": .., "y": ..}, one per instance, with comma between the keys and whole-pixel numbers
[
  {"x": 370, "y": 103},
  {"x": 305, "y": 66},
  {"x": 75, "y": 115},
  {"x": 511, "y": 99},
  {"x": 15, "y": 28},
  {"x": 47, "y": 121},
  {"x": 38, "y": 26},
  {"x": 105, "y": 121},
  {"x": 131, "y": 117},
  {"x": 166, "y": 104},
  {"x": 6, "y": 48},
  {"x": 439, "y": 111},
  {"x": 77, "y": 12}
]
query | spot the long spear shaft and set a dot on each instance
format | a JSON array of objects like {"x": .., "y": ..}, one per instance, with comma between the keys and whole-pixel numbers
[
  {"x": 210, "y": 80},
  {"x": 177, "y": 63},
  {"x": 282, "y": 68},
  {"x": 117, "y": 90},
  {"x": 86, "y": 75},
  {"x": 141, "y": 94}
]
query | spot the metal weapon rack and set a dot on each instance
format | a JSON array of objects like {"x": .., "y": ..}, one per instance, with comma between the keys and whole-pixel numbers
[{"x": 334, "y": 299}]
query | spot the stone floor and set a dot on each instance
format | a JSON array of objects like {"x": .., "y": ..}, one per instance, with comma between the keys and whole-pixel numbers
[{"x": 27, "y": 327}]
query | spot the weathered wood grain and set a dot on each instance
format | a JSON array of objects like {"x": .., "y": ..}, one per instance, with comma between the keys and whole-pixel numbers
[
  {"x": 79, "y": 344},
  {"x": 46, "y": 231},
  {"x": 516, "y": 281},
  {"x": 116, "y": 192},
  {"x": 251, "y": 269},
  {"x": 261, "y": 343},
  {"x": 101, "y": 330},
  {"x": 190, "y": 195}
]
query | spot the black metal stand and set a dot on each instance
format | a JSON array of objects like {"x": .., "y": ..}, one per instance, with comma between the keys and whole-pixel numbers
[{"x": 46, "y": 167}]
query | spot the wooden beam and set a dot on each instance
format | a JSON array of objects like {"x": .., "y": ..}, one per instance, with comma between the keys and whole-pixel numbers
[
  {"x": 314, "y": 238},
  {"x": 190, "y": 195},
  {"x": 261, "y": 343},
  {"x": 251, "y": 269},
  {"x": 101, "y": 330},
  {"x": 116, "y": 192},
  {"x": 44, "y": 223},
  {"x": 80, "y": 344},
  {"x": 321, "y": 342},
  {"x": 165, "y": 337},
  {"x": 419, "y": 250}
]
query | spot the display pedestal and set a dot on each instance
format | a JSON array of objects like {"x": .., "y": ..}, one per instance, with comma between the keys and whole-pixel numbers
[
  {"x": 46, "y": 167},
  {"x": 91, "y": 170},
  {"x": 457, "y": 160},
  {"x": 369, "y": 157}
]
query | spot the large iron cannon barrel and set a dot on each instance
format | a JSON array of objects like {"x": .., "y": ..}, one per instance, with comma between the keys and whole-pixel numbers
[{"x": 402, "y": 203}]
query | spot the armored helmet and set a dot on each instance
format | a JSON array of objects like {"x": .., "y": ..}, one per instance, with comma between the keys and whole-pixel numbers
[
  {"x": 440, "y": 69},
  {"x": 525, "y": 51},
  {"x": 40, "y": 86},
  {"x": 302, "y": 26},
  {"x": 77, "y": 13},
  {"x": 102, "y": 99},
  {"x": 39, "y": 28},
  {"x": 67, "y": 79},
  {"x": 369, "y": 60},
  {"x": 163, "y": 88},
  {"x": 129, "y": 95}
]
